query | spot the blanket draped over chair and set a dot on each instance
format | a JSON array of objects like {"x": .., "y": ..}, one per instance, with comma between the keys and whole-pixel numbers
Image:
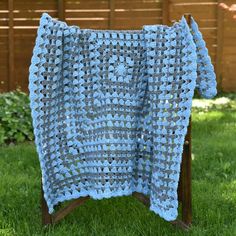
[{"x": 110, "y": 108}]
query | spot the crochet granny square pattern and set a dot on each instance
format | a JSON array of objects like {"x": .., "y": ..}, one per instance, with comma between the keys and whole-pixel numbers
[{"x": 110, "y": 108}]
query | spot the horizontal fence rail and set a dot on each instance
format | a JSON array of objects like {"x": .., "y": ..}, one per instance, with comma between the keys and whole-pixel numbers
[{"x": 19, "y": 21}]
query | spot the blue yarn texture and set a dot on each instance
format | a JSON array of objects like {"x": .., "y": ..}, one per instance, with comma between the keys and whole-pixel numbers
[{"x": 110, "y": 109}]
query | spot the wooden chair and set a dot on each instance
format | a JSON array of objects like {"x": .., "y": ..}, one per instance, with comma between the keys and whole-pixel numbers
[{"x": 184, "y": 189}]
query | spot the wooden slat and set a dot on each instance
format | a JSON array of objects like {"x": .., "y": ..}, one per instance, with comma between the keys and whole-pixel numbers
[
  {"x": 61, "y": 10},
  {"x": 3, "y": 23},
  {"x": 220, "y": 43},
  {"x": 138, "y": 4},
  {"x": 4, "y": 5},
  {"x": 10, "y": 46},
  {"x": 194, "y": 2},
  {"x": 129, "y": 23},
  {"x": 35, "y": 5},
  {"x": 4, "y": 51},
  {"x": 3, "y": 14},
  {"x": 81, "y": 14},
  {"x": 3, "y": 79},
  {"x": 230, "y": 43},
  {"x": 231, "y": 29},
  {"x": 28, "y": 14},
  {"x": 40, "y": 2},
  {"x": 201, "y": 15},
  {"x": 134, "y": 14},
  {"x": 111, "y": 14},
  {"x": 26, "y": 22},
  {"x": 197, "y": 11},
  {"x": 88, "y": 4},
  {"x": 89, "y": 23},
  {"x": 229, "y": 35},
  {"x": 229, "y": 52},
  {"x": 3, "y": 61},
  {"x": 230, "y": 24},
  {"x": 228, "y": 83},
  {"x": 165, "y": 12},
  {"x": 3, "y": 35}
]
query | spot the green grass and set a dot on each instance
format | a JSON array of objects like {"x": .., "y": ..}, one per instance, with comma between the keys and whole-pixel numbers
[{"x": 214, "y": 188}]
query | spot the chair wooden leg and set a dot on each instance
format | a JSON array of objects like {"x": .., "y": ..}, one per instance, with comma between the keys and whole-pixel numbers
[
  {"x": 60, "y": 214},
  {"x": 186, "y": 180},
  {"x": 46, "y": 217},
  {"x": 142, "y": 198},
  {"x": 184, "y": 187},
  {"x": 179, "y": 191}
]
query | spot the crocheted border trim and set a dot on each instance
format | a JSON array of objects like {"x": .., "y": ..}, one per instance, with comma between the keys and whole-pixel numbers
[
  {"x": 207, "y": 87},
  {"x": 189, "y": 46}
]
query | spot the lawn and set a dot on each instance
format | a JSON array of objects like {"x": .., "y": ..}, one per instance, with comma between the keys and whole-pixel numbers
[{"x": 214, "y": 187}]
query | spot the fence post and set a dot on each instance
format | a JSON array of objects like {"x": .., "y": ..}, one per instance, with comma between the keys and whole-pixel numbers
[
  {"x": 220, "y": 43},
  {"x": 111, "y": 15},
  {"x": 61, "y": 10},
  {"x": 165, "y": 12},
  {"x": 10, "y": 47}
]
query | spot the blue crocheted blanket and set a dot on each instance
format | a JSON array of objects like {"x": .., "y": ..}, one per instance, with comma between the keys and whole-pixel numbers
[{"x": 110, "y": 108}]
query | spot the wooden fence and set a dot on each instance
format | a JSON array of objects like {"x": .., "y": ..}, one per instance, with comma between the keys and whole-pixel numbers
[{"x": 19, "y": 20}]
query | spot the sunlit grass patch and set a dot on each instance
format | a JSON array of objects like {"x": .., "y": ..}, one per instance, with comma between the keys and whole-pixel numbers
[{"x": 214, "y": 188}]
